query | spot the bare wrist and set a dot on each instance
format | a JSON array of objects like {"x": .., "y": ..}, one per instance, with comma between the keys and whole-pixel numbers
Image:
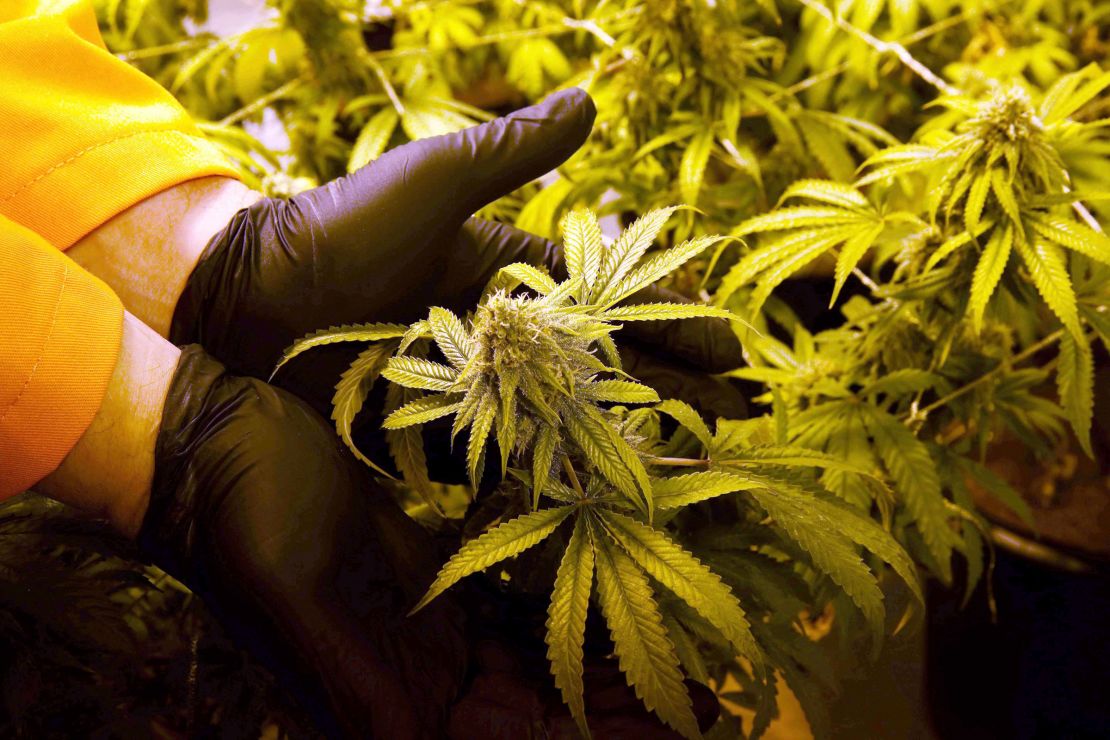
[
  {"x": 110, "y": 469},
  {"x": 147, "y": 253}
]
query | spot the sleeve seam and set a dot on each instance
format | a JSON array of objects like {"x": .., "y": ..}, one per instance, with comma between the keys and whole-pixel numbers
[
  {"x": 42, "y": 352},
  {"x": 83, "y": 152}
]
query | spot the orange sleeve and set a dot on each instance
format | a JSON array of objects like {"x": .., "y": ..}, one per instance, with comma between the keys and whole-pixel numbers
[
  {"x": 84, "y": 134},
  {"x": 60, "y": 331}
]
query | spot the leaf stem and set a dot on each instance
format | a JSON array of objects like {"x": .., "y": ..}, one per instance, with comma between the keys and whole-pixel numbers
[{"x": 259, "y": 103}]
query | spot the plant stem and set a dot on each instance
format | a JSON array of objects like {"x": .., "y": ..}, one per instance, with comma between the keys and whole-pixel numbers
[
  {"x": 259, "y": 103},
  {"x": 679, "y": 462},
  {"x": 163, "y": 49},
  {"x": 999, "y": 369},
  {"x": 573, "y": 477}
]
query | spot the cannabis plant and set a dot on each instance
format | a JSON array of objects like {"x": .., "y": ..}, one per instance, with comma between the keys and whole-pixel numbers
[{"x": 538, "y": 371}]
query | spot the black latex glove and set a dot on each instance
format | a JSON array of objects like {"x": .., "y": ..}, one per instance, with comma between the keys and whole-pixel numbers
[
  {"x": 258, "y": 507},
  {"x": 392, "y": 239}
]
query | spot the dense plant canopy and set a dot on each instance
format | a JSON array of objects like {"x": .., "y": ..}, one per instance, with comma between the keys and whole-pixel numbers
[{"x": 941, "y": 166}]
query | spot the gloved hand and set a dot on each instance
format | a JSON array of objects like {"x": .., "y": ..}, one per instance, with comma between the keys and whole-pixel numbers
[
  {"x": 392, "y": 239},
  {"x": 258, "y": 507}
]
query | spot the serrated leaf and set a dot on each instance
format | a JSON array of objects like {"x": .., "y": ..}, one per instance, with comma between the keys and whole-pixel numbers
[
  {"x": 1075, "y": 381},
  {"x": 657, "y": 267},
  {"x": 691, "y": 169},
  {"x": 976, "y": 199},
  {"x": 789, "y": 455},
  {"x": 582, "y": 247},
  {"x": 685, "y": 415},
  {"x": 416, "y": 372},
  {"x": 796, "y": 217},
  {"x": 1073, "y": 235},
  {"x": 666, "y": 311},
  {"x": 850, "y": 255},
  {"x": 504, "y": 541},
  {"x": 1050, "y": 276},
  {"x": 566, "y": 621},
  {"x": 336, "y": 334},
  {"x": 451, "y": 336},
  {"x": 534, "y": 277},
  {"x": 773, "y": 252},
  {"x": 619, "y": 391},
  {"x": 543, "y": 457},
  {"x": 827, "y": 191},
  {"x": 421, "y": 411},
  {"x": 629, "y": 247},
  {"x": 1004, "y": 192},
  {"x": 988, "y": 271},
  {"x": 831, "y": 552},
  {"x": 683, "y": 490},
  {"x": 480, "y": 428},
  {"x": 406, "y": 447},
  {"x": 611, "y": 455},
  {"x": 687, "y": 578},
  {"x": 909, "y": 463},
  {"x": 373, "y": 138},
  {"x": 997, "y": 487},
  {"x": 901, "y": 382},
  {"x": 774, "y": 276},
  {"x": 351, "y": 391},
  {"x": 645, "y": 654}
]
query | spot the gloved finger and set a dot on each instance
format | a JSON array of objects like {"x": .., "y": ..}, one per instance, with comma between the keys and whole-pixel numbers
[
  {"x": 484, "y": 247},
  {"x": 440, "y": 181},
  {"x": 713, "y": 396}
]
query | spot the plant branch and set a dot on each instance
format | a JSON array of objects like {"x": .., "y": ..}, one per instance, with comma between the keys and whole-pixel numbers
[
  {"x": 259, "y": 103},
  {"x": 884, "y": 47},
  {"x": 921, "y": 414}
]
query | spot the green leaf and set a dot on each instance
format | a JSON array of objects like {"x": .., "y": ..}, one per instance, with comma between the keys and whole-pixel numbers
[
  {"x": 479, "y": 431},
  {"x": 687, "y": 578},
  {"x": 997, "y": 487},
  {"x": 611, "y": 455},
  {"x": 988, "y": 271},
  {"x": 691, "y": 170},
  {"x": 954, "y": 243},
  {"x": 911, "y": 466},
  {"x": 534, "y": 277},
  {"x": 666, "y": 311},
  {"x": 683, "y": 490},
  {"x": 582, "y": 247},
  {"x": 685, "y": 415},
  {"x": 901, "y": 382},
  {"x": 416, "y": 372},
  {"x": 543, "y": 457},
  {"x": 832, "y": 553},
  {"x": 774, "y": 277},
  {"x": 1075, "y": 380},
  {"x": 850, "y": 255},
  {"x": 566, "y": 621},
  {"x": 827, "y": 191},
  {"x": 506, "y": 540},
  {"x": 1074, "y": 236},
  {"x": 1050, "y": 276},
  {"x": 788, "y": 455},
  {"x": 351, "y": 391},
  {"x": 406, "y": 446},
  {"x": 373, "y": 139},
  {"x": 451, "y": 336},
  {"x": 776, "y": 251},
  {"x": 645, "y": 654},
  {"x": 346, "y": 333},
  {"x": 629, "y": 247},
  {"x": 976, "y": 199},
  {"x": 1004, "y": 192},
  {"x": 619, "y": 391},
  {"x": 421, "y": 411},
  {"x": 657, "y": 267},
  {"x": 796, "y": 217}
]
